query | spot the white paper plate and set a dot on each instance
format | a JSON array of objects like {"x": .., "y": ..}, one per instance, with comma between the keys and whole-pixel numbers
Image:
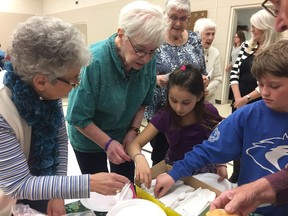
[
  {"x": 212, "y": 180},
  {"x": 102, "y": 203},
  {"x": 139, "y": 207}
]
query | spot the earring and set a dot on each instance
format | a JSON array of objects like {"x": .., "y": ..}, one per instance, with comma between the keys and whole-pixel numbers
[{"x": 41, "y": 97}]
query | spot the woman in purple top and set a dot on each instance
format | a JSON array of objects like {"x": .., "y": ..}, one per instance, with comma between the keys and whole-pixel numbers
[{"x": 185, "y": 121}]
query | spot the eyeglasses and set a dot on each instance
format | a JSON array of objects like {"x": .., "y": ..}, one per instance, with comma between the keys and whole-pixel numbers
[
  {"x": 181, "y": 19},
  {"x": 140, "y": 53},
  {"x": 271, "y": 9},
  {"x": 74, "y": 85}
]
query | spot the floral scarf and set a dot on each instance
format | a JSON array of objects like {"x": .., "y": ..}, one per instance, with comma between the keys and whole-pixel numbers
[{"x": 44, "y": 117}]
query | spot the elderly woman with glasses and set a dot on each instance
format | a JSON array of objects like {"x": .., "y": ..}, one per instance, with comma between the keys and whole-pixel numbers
[
  {"x": 106, "y": 110},
  {"x": 181, "y": 47},
  {"x": 47, "y": 55},
  {"x": 278, "y": 9}
]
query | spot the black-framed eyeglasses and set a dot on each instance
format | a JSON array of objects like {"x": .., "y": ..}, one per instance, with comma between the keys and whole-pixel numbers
[
  {"x": 270, "y": 8},
  {"x": 181, "y": 19},
  {"x": 74, "y": 85},
  {"x": 140, "y": 53}
]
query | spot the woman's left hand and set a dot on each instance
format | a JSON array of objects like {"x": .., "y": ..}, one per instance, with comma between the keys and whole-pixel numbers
[
  {"x": 56, "y": 207},
  {"x": 240, "y": 102},
  {"x": 162, "y": 80}
]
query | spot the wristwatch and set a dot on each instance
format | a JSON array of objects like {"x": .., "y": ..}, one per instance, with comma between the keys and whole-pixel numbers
[
  {"x": 135, "y": 129},
  {"x": 248, "y": 97}
]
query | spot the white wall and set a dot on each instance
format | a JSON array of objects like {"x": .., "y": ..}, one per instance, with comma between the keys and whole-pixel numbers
[
  {"x": 100, "y": 17},
  {"x": 58, "y": 6},
  {"x": 21, "y": 6},
  {"x": 101, "y": 20}
]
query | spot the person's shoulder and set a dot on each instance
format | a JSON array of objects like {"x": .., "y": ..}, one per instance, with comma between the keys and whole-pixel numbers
[
  {"x": 163, "y": 112},
  {"x": 97, "y": 45},
  {"x": 214, "y": 50},
  {"x": 193, "y": 38},
  {"x": 162, "y": 116},
  {"x": 210, "y": 107},
  {"x": 101, "y": 44},
  {"x": 257, "y": 108},
  {"x": 192, "y": 33}
]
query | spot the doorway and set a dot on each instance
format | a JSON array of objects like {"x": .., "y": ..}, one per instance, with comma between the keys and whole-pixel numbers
[{"x": 239, "y": 16}]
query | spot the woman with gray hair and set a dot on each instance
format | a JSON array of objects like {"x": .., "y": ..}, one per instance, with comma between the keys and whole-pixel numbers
[
  {"x": 243, "y": 84},
  {"x": 181, "y": 47},
  {"x": 106, "y": 111},
  {"x": 206, "y": 28},
  {"x": 47, "y": 54}
]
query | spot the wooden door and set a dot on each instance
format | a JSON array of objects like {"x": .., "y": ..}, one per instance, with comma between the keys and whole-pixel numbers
[{"x": 194, "y": 16}]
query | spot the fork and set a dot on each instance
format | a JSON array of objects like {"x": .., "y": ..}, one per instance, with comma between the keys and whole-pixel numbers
[
  {"x": 181, "y": 198},
  {"x": 205, "y": 197}
]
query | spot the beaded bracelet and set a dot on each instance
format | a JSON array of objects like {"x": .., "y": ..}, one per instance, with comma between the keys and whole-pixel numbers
[
  {"x": 137, "y": 155},
  {"x": 108, "y": 144}
]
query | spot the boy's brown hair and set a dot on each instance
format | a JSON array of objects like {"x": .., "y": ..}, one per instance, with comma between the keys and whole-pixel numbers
[{"x": 272, "y": 61}]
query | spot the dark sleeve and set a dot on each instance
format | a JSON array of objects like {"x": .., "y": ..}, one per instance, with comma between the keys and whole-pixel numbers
[{"x": 279, "y": 182}]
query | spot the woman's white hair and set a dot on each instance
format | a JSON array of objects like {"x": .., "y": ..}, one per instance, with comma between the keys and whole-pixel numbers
[
  {"x": 143, "y": 21},
  {"x": 178, "y": 5},
  {"x": 265, "y": 21},
  {"x": 204, "y": 23}
]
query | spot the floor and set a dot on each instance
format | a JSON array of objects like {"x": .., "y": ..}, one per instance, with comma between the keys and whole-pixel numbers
[{"x": 73, "y": 168}]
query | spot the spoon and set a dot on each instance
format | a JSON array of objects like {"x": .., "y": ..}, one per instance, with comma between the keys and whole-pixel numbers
[{"x": 180, "y": 197}]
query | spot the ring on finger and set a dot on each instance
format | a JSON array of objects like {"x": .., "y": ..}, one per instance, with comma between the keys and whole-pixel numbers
[{"x": 117, "y": 190}]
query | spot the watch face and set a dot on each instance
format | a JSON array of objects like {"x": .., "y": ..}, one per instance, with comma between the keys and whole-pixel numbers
[{"x": 137, "y": 130}]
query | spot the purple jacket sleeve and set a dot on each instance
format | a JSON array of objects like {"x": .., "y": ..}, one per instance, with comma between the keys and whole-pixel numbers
[{"x": 279, "y": 182}]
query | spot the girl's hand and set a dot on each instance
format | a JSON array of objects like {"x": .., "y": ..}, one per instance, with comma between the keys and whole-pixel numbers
[{"x": 142, "y": 170}]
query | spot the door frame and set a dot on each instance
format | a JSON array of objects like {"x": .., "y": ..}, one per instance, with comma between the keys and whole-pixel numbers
[{"x": 231, "y": 31}]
